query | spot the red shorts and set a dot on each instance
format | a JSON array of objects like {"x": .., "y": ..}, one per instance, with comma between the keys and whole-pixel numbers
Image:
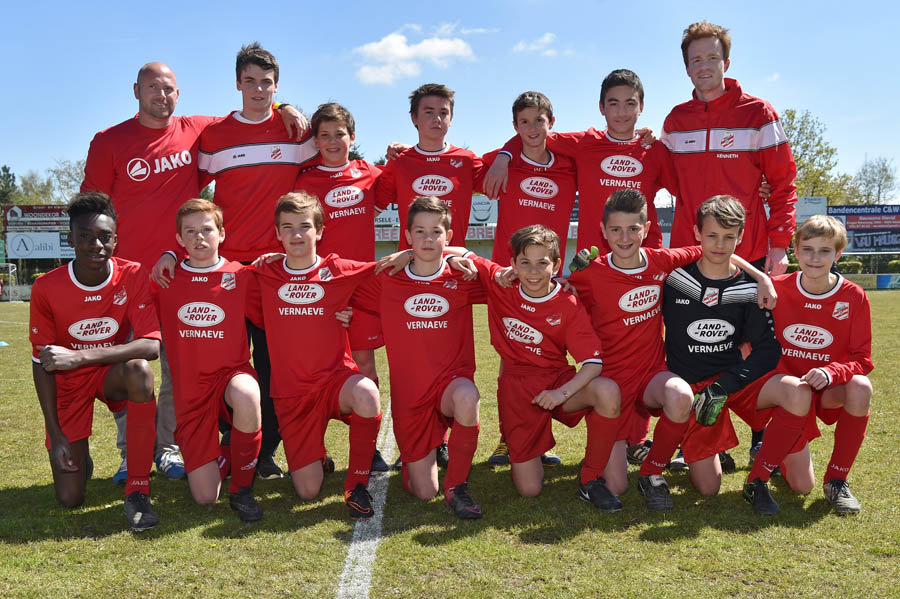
[
  {"x": 526, "y": 425},
  {"x": 419, "y": 424},
  {"x": 634, "y": 415},
  {"x": 827, "y": 415},
  {"x": 701, "y": 442},
  {"x": 197, "y": 414},
  {"x": 365, "y": 331},
  {"x": 75, "y": 397},
  {"x": 303, "y": 420}
]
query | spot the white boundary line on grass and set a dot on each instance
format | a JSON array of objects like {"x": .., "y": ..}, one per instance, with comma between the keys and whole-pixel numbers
[{"x": 357, "y": 575}]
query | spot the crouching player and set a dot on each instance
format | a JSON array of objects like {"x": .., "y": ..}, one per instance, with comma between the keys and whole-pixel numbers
[
  {"x": 314, "y": 378},
  {"x": 533, "y": 324},
  {"x": 202, "y": 315},
  {"x": 709, "y": 308},
  {"x": 823, "y": 323},
  {"x": 82, "y": 315}
]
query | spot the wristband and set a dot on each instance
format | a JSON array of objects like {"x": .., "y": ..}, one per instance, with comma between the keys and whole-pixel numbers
[
  {"x": 279, "y": 105},
  {"x": 170, "y": 253}
]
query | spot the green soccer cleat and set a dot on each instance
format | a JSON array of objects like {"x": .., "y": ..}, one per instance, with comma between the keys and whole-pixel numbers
[
  {"x": 708, "y": 404},
  {"x": 583, "y": 258}
]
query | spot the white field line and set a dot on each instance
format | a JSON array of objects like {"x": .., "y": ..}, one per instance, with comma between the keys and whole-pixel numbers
[{"x": 357, "y": 575}]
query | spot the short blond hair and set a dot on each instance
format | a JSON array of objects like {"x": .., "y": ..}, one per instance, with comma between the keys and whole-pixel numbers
[
  {"x": 198, "y": 205},
  {"x": 298, "y": 202},
  {"x": 820, "y": 225}
]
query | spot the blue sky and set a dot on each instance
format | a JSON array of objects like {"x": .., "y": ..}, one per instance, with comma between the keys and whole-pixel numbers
[{"x": 76, "y": 64}]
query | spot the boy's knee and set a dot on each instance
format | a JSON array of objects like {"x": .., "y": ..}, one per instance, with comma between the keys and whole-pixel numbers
[
  {"x": 425, "y": 491},
  {"x": 678, "y": 404},
  {"x": 205, "y": 497},
  {"x": 707, "y": 488},
  {"x": 859, "y": 394},
  {"x": 139, "y": 380},
  {"x": 531, "y": 488},
  {"x": 607, "y": 399},
  {"x": 798, "y": 399},
  {"x": 70, "y": 498},
  {"x": 307, "y": 491},
  {"x": 802, "y": 487}
]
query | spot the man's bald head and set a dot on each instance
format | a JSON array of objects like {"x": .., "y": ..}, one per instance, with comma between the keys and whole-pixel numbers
[{"x": 157, "y": 94}]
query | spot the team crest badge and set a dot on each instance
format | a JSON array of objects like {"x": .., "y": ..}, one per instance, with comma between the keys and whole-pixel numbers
[
  {"x": 451, "y": 284},
  {"x": 728, "y": 140},
  {"x": 325, "y": 274},
  {"x": 228, "y": 281},
  {"x": 554, "y": 320},
  {"x": 355, "y": 173},
  {"x": 456, "y": 163},
  {"x": 711, "y": 296},
  {"x": 841, "y": 310},
  {"x": 659, "y": 276},
  {"x": 120, "y": 297},
  {"x": 276, "y": 153}
]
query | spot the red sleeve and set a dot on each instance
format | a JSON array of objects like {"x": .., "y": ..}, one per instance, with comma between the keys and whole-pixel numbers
[
  {"x": 253, "y": 306},
  {"x": 860, "y": 350},
  {"x": 386, "y": 188},
  {"x": 479, "y": 170},
  {"x": 41, "y": 326},
  {"x": 99, "y": 169},
  {"x": 683, "y": 256},
  {"x": 582, "y": 342},
  {"x": 367, "y": 295},
  {"x": 566, "y": 143},
  {"x": 513, "y": 147},
  {"x": 581, "y": 281},
  {"x": 777, "y": 164},
  {"x": 142, "y": 311}
]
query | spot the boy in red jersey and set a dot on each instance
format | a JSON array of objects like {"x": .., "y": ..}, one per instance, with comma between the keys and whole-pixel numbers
[
  {"x": 710, "y": 310},
  {"x": 81, "y": 352},
  {"x": 533, "y": 324},
  {"x": 823, "y": 323},
  {"x": 296, "y": 299},
  {"x": 427, "y": 320},
  {"x": 202, "y": 314},
  {"x": 432, "y": 167}
]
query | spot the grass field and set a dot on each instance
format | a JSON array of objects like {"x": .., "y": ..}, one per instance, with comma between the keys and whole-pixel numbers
[{"x": 550, "y": 546}]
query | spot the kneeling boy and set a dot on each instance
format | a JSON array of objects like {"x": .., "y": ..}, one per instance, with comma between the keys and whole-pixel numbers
[
  {"x": 202, "y": 315},
  {"x": 82, "y": 316}
]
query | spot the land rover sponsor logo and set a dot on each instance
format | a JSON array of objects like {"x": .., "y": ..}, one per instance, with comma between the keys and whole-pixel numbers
[
  {"x": 301, "y": 293},
  {"x": 640, "y": 299},
  {"x": 710, "y": 330},
  {"x": 94, "y": 329},
  {"x": 622, "y": 166},
  {"x": 808, "y": 336},
  {"x": 201, "y": 314},
  {"x": 426, "y": 305}
]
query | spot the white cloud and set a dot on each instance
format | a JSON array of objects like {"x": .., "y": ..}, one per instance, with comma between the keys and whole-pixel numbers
[
  {"x": 477, "y": 30},
  {"x": 446, "y": 29},
  {"x": 773, "y": 77},
  {"x": 392, "y": 57},
  {"x": 541, "y": 45}
]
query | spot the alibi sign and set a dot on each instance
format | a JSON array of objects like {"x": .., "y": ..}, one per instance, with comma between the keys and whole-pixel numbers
[{"x": 37, "y": 232}]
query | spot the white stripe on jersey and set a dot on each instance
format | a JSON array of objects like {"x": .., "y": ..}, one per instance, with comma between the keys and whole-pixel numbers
[
  {"x": 685, "y": 283},
  {"x": 293, "y": 153},
  {"x": 743, "y": 293}
]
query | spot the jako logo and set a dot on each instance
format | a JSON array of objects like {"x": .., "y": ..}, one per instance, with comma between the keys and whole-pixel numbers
[
  {"x": 710, "y": 330},
  {"x": 622, "y": 166},
  {"x": 341, "y": 197},
  {"x": 432, "y": 185},
  {"x": 539, "y": 187},
  {"x": 138, "y": 169},
  {"x": 640, "y": 299},
  {"x": 94, "y": 329},
  {"x": 521, "y": 332},
  {"x": 808, "y": 336},
  {"x": 201, "y": 314},
  {"x": 301, "y": 293},
  {"x": 426, "y": 305}
]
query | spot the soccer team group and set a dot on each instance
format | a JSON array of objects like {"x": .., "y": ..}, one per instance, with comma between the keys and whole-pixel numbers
[{"x": 689, "y": 334}]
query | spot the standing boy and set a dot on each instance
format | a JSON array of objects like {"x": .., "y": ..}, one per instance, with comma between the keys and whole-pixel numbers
[
  {"x": 81, "y": 352},
  {"x": 823, "y": 323},
  {"x": 202, "y": 313},
  {"x": 709, "y": 308}
]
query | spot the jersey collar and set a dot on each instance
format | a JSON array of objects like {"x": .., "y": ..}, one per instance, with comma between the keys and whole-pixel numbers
[
  {"x": 829, "y": 293},
  {"x": 631, "y": 271},
  {"x": 215, "y": 266},
  {"x": 332, "y": 169},
  {"x": 112, "y": 269},
  {"x": 430, "y": 277},
  {"x": 446, "y": 148},
  {"x": 528, "y": 160},
  {"x": 303, "y": 271},
  {"x": 540, "y": 300}
]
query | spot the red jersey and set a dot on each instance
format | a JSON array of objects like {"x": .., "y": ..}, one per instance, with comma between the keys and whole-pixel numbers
[
  {"x": 296, "y": 308},
  {"x": 202, "y": 316},
  {"x": 831, "y": 331},
  {"x": 427, "y": 324},
  {"x": 625, "y": 306},
  {"x": 537, "y": 331},
  {"x": 347, "y": 194},
  {"x": 66, "y": 313},
  {"x": 725, "y": 147},
  {"x": 149, "y": 174},
  {"x": 535, "y": 194},
  {"x": 451, "y": 174},
  {"x": 606, "y": 165},
  {"x": 253, "y": 164}
]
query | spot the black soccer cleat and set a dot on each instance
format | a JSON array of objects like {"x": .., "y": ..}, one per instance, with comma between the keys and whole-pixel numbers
[
  {"x": 267, "y": 469},
  {"x": 327, "y": 464},
  {"x": 757, "y": 494},
  {"x": 378, "y": 463},
  {"x": 140, "y": 512},
  {"x": 655, "y": 490},
  {"x": 443, "y": 455},
  {"x": 359, "y": 502},
  {"x": 727, "y": 462},
  {"x": 462, "y": 504},
  {"x": 597, "y": 493},
  {"x": 838, "y": 493},
  {"x": 244, "y": 504}
]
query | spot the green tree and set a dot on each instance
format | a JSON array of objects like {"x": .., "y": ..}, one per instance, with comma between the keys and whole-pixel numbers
[
  {"x": 814, "y": 156},
  {"x": 8, "y": 187},
  {"x": 67, "y": 177},
  {"x": 355, "y": 153},
  {"x": 381, "y": 161},
  {"x": 208, "y": 192},
  {"x": 36, "y": 189},
  {"x": 876, "y": 180}
]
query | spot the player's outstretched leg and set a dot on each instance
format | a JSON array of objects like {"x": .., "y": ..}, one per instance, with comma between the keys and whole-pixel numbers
[
  {"x": 134, "y": 380},
  {"x": 673, "y": 395},
  {"x": 854, "y": 398},
  {"x": 602, "y": 396},
  {"x": 242, "y": 395},
  {"x": 359, "y": 395},
  {"x": 461, "y": 402}
]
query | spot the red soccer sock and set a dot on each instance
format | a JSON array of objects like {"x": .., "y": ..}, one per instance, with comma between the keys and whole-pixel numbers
[
  {"x": 666, "y": 437},
  {"x": 244, "y": 451},
  {"x": 140, "y": 439},
  {"x": 601, "y": 436},
  {"x": 462, "y": 445},
  {"x": 224, "y": 461},
  {"x": 363, "y": 435},
  {"x": 848, "y": 437},
  {"x": 781, "y": 434}
]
